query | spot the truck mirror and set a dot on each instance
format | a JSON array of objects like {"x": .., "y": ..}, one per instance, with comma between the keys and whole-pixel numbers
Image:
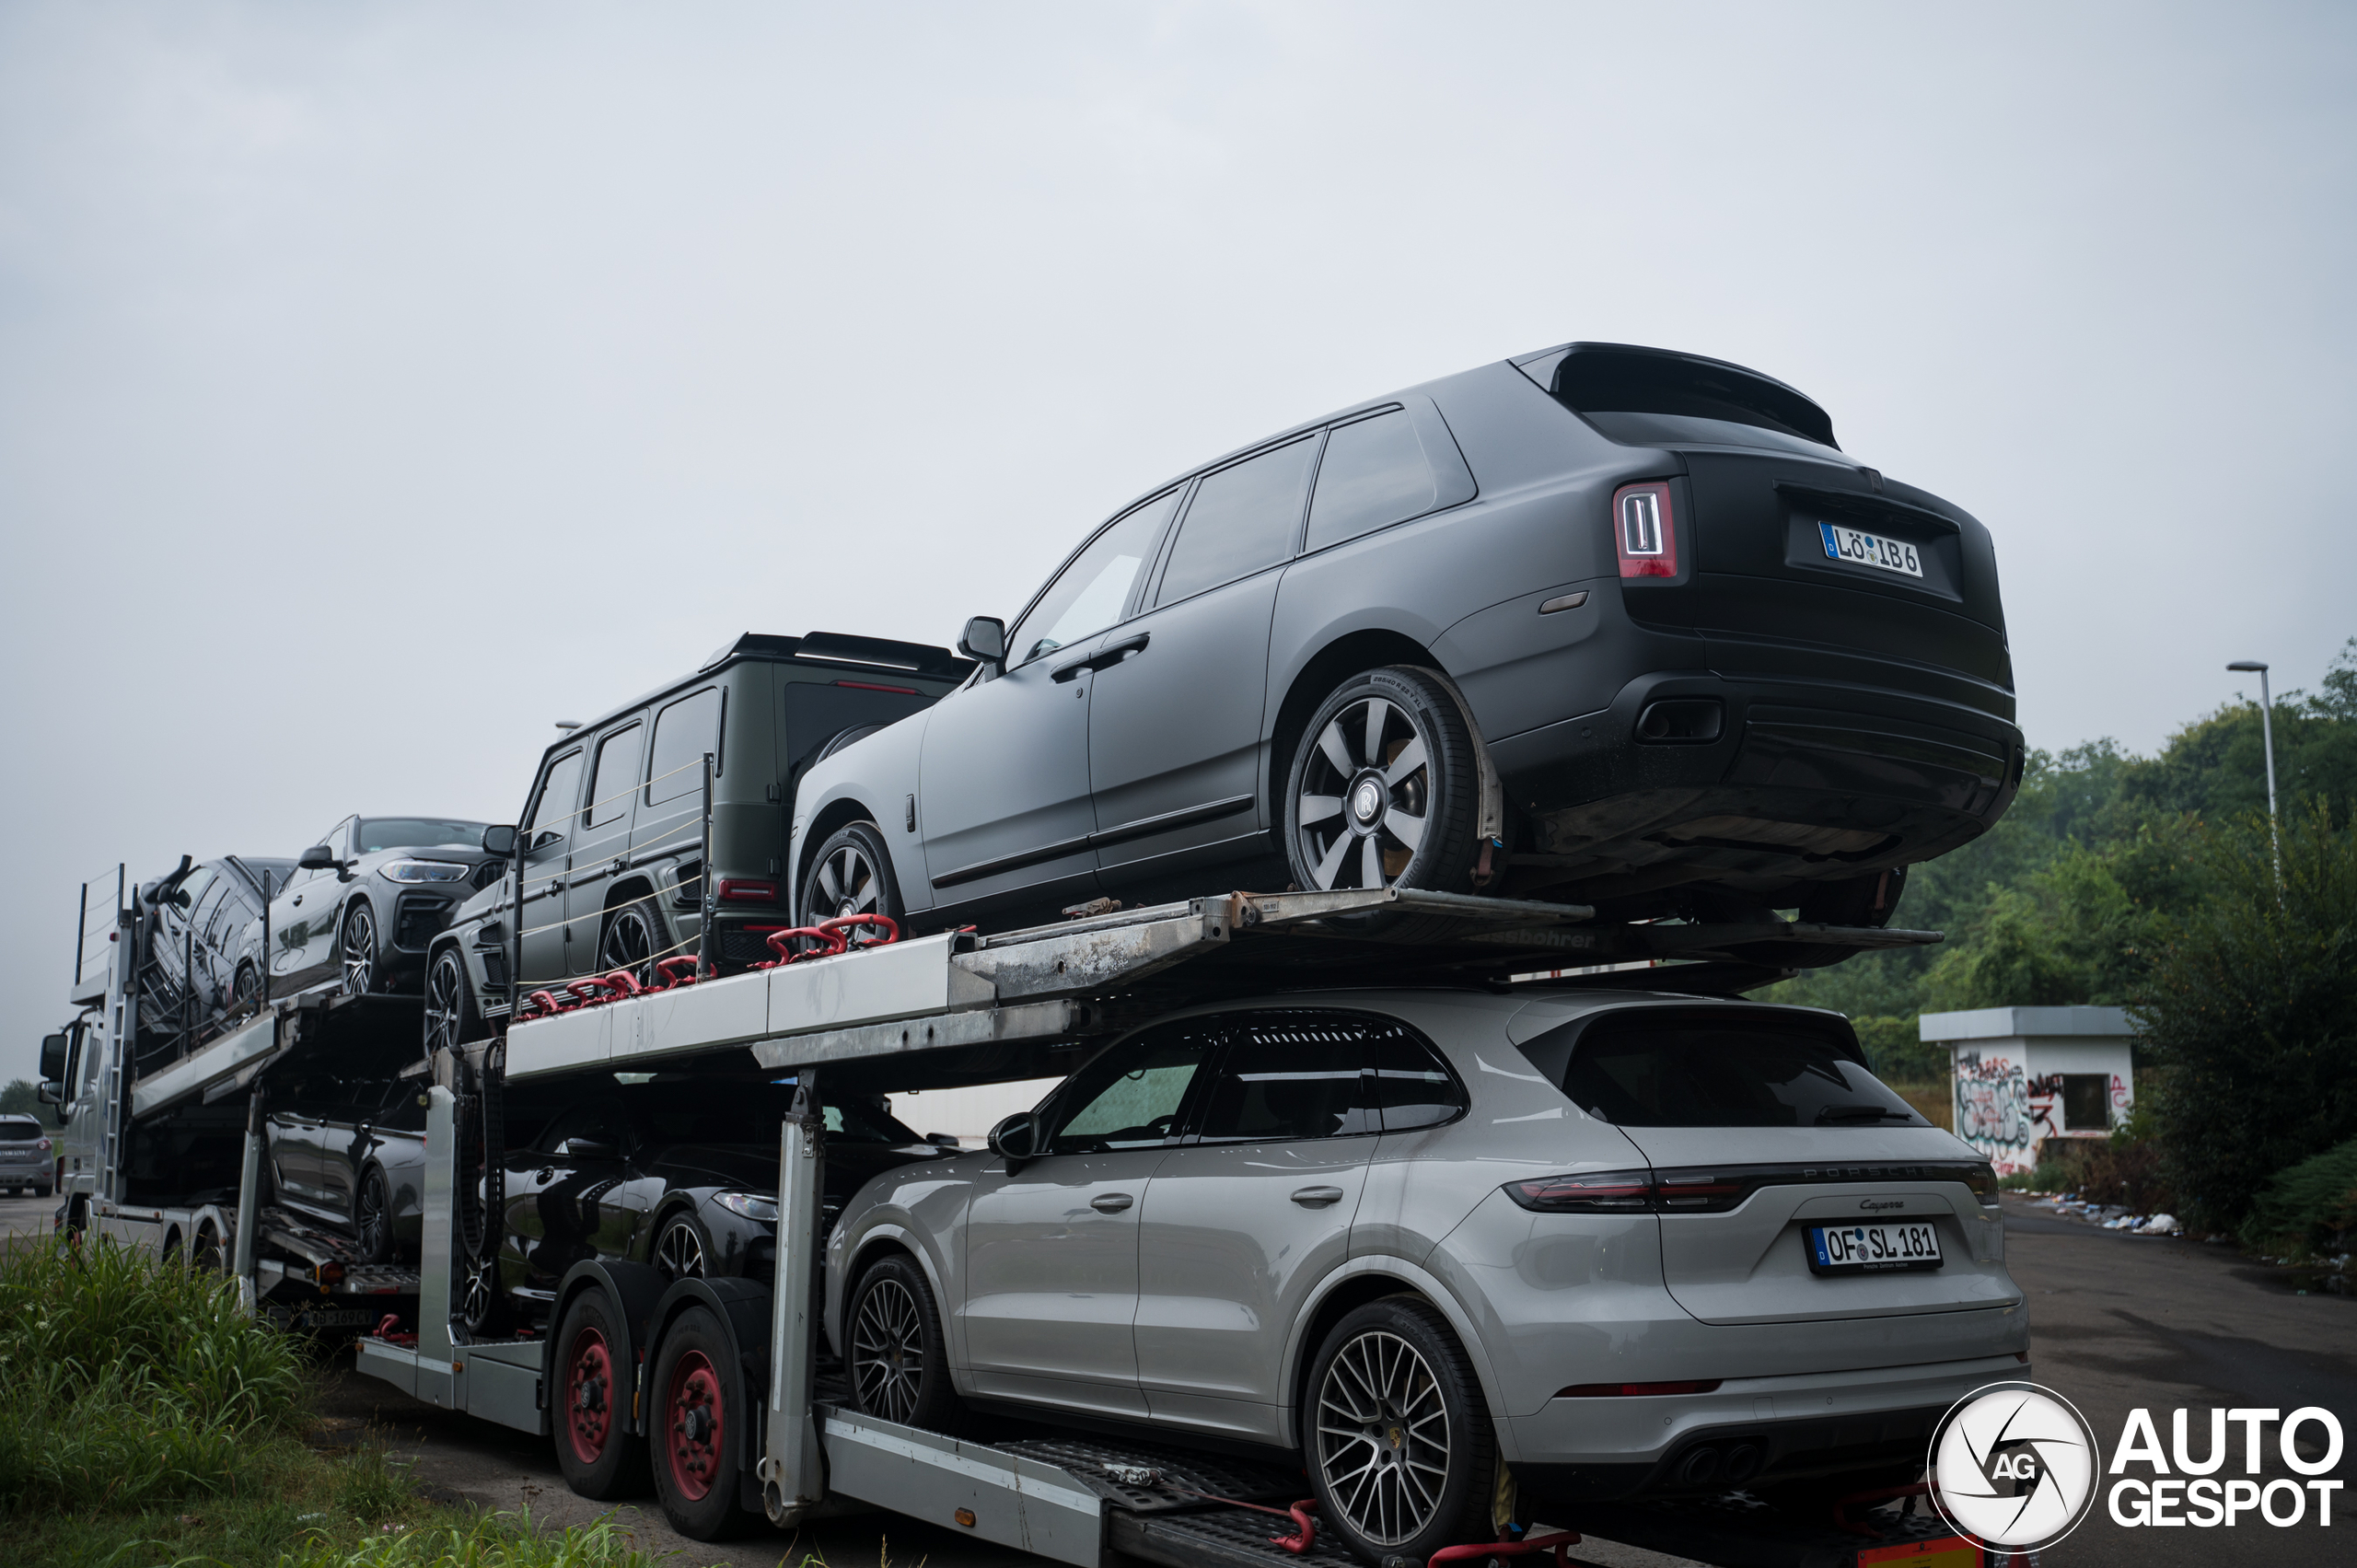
[
  {"x": 1016, "y": 1138},
  {"x": 319, "y": 857},
  {"x": 49, "y": 1093},
  {"x": 52, "y": 1057},
  {"x": 500, "y": 842},
  {"x": 984, "y": 638}
]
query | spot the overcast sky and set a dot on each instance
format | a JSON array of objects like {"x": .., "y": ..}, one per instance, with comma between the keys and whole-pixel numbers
[{"x": 378, "y": 385}]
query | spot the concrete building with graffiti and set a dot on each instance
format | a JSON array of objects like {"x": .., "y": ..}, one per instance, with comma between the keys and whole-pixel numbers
[{"x": 2025, "y": 1075}]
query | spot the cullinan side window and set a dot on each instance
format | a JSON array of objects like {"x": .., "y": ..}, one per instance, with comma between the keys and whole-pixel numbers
[{"x": 1244, "y": 517}]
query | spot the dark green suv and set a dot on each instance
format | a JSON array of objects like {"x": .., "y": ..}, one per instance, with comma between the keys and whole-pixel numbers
[{"x": 612, "y": 829}]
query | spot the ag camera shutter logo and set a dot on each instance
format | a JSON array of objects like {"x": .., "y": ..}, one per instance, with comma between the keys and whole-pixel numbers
[{"x": 2016, "y": 1465}]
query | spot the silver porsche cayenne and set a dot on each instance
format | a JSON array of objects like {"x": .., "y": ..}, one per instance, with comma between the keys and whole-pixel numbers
[{"x": 1461, "y": 1252}]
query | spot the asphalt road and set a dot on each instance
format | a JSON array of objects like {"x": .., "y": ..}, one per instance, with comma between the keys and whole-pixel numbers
[{"x": 2116, "y": 1322}]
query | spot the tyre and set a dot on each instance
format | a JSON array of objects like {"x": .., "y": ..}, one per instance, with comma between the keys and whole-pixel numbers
[
  {"x": 600, "y": 1456},
  {"x": 680, "y": 1251},
  {"x": 245, "y": 986},
  {"x": 372, "y": 1216},
  {"x": 1401, "y": 1453},
  {"x": 206, "y": 1254},
  {"x": 698, "y": 1428},
  {"x": 897, "y": 1362},
  {"x": 633, "y": 938},
  {"x": 356, "y": 945},
  {"x": 450, "y": 1018},
  {"x": 1384, "y": 790},
  {"x": 851, "y": 875}
]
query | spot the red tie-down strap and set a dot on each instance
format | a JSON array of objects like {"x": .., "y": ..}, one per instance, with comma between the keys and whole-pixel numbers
[
  {"x": 680, "y": 970},
  {"x": 783, "y": 943},
  {"x": 590, "y": 990},
  {"x": 886, "y": 929},
  {"x": 542, "y": 1005},
  {"x": 1559, "y": 1545}
]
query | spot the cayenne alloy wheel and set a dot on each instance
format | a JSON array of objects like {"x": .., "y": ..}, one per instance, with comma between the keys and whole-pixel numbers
[
  {"x": 1383, "y": 1437},
  {"x": 678, "y": 1252},
  {"x": 358, "y": 946},
  {"x": 887, "y": 1351}
]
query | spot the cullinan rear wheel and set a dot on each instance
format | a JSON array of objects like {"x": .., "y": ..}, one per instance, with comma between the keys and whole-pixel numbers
[
  {"x": 900, "y": 1367},
  {"x": 1384, "y": 788},
  {"x": 357, "y": 947},
  {"x": 451, "y": 1019},
  {"x": 698, "y": 1429},
  {"x": 631, "y": 938},
  {"x": 372, "y": 1216},
  {"x": 851, "y": 875},
  {"x": 1402, "y": 1455},
  {"x": 600, "y": 1456}
]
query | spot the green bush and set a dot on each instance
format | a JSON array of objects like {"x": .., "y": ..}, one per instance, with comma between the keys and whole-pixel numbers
[
  {"x": 2309, "y": 1209},
  {"x": 2251, "y": 1005},
  {"x": 125, "y": 1382}
]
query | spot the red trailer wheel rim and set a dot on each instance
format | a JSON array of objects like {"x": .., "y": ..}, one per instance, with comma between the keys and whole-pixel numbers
[
  {"x": 588, "y": 1395},
  {"x": 692, "y": 1427}
]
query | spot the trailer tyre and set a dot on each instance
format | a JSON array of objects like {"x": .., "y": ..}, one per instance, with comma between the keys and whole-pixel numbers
[
  {"x": 1401, "y": 1452},
  {"x": 698, "y": 1429},
  {"x": 900, "y": 1367},
  {"x": 594, "y": 1446}
]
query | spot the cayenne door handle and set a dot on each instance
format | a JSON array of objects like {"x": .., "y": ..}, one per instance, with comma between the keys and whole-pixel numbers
[
  {"x": 1111, "y": 1202},
  {"x": 1318, "y": 1197},
  {"x": 1112, "y": 652}
]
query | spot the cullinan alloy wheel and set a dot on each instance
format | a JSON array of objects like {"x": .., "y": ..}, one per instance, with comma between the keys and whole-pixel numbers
[
  {"x": 696, "y": 1428},
  {"x": 1384, "y": 790},
  {"x": 1403, "y": 1455},
  {"x": 632, "y": 936},
  {"x": 899, "y": 1366},
  {"x": 358, "y": 948},
  {"x": 851, "y": 874},
  {"x": 372, "y": 1216},
  {"x": 595, "y": 1447},
  {"x": 449, "y": 1002},
  {"x": 679, "y": 1249}
]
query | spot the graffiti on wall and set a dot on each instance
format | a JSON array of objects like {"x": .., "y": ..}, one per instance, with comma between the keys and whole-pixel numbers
[{"x": 2006, "y": 1114}]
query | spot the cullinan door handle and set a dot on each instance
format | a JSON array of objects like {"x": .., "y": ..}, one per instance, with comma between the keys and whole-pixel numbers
[
  {"x": 1112, "y": 652},
  {"x": 1318, "y": 1197},
  {"x": 1111, "y": 1202}
]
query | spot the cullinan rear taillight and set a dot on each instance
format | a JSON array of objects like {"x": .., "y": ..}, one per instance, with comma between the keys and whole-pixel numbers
[{"x": 1643, "y": 532}]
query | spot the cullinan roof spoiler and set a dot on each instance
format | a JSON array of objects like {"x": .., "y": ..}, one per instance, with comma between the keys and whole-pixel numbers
[{"x": 846, "y": 648}]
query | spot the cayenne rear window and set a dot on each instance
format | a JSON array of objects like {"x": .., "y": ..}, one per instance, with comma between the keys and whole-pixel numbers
[
  {"x": 1649, "y": 1068},
  {"x": 1645, "y": 398}
]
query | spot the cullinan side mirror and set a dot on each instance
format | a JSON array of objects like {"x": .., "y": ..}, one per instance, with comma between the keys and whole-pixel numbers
[
  {"x": 984, "y": 638},
  {"x": 500, "y": 842},
  {"x": 1016, "y": 1139},
  {"x": 319, "y": 857}
]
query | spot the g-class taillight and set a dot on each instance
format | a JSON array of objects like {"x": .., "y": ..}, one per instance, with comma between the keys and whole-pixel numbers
[{"x": 1643, "y": 532}]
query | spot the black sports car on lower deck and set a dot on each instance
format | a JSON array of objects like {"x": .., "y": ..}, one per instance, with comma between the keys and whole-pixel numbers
[
  {"x": 679, "y": 1174},
  {"x": 351, "y": 1151},
  {"x": 1603, "y": 624}
]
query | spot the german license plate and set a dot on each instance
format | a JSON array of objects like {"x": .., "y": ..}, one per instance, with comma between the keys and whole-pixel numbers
[
  {"x": 1863, "y": 549},
  {"x": 1872, "y": 1248}
]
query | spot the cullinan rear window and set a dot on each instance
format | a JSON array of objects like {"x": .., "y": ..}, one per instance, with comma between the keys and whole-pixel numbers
[
  {"x": 1646, "y": 397},
  {"x": 1719, "y": 1067}
]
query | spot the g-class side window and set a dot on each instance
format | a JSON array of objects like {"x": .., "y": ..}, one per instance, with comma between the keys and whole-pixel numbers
[
  {"x": 684, "y": 733},
  {"x": 560, "y": 790}
]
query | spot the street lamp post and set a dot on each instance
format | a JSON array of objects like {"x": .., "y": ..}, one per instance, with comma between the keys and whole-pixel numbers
[{"x": 2266, "y": 740}]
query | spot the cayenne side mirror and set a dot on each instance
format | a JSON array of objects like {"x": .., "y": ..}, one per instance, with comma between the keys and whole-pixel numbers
[
  {"x": 319, "y": 857},
  {"x": 52, "y": 1057},
  {"x": 984, "y": 638},
  {"x": 500, "y": 842},
  {"x": 1016, "y": 1138}
]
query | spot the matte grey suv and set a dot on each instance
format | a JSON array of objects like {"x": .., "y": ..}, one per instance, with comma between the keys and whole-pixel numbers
[
  {"x": 1623, "y": 1244},
  {"x": 1605, "y": 624}
]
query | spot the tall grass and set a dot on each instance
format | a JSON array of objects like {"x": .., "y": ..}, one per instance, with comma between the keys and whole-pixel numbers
[
  {"x": 125, "y": 1382},
  {"x": 495, "y": 1541}
]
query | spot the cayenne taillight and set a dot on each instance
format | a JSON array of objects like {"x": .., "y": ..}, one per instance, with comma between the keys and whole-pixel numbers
[
  {"x": 1643, "y": 532},
  {"x": 1638, "y": 1390},
  {"x": 1595, "y": 1192},
  {"x": 1983, "y": 1179}
]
